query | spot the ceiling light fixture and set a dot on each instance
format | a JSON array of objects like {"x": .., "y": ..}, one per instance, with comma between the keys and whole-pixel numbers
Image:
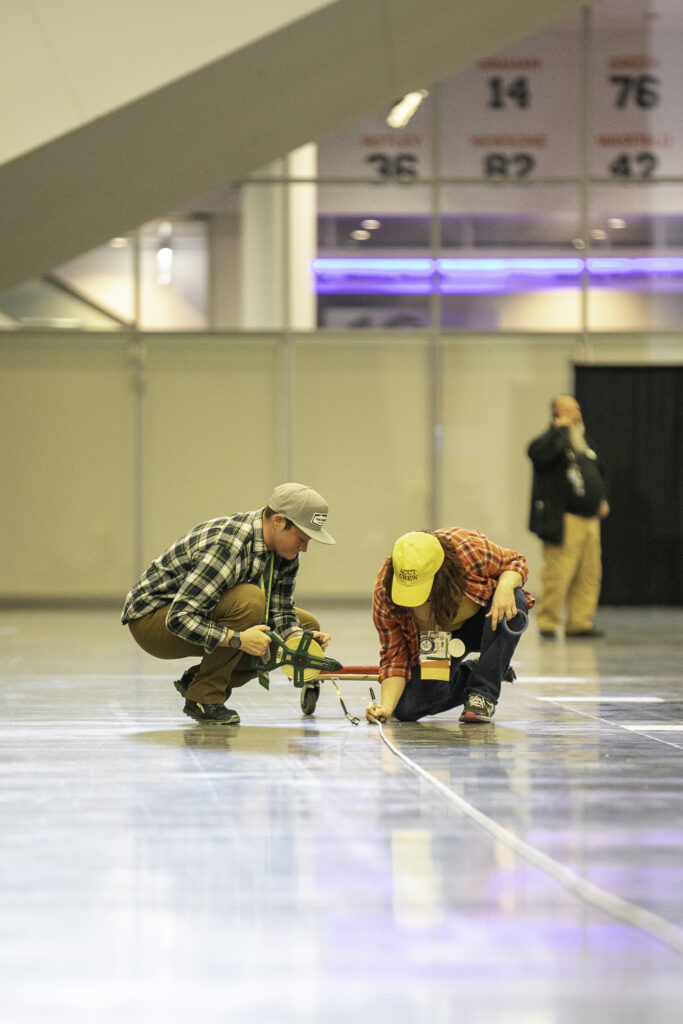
[
  {"x": 402, "y": 111},
  {"x": 164, "y": 254}
]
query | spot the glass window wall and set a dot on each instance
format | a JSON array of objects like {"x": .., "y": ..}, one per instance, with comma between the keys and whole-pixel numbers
[{"x": 540, "y": 189}]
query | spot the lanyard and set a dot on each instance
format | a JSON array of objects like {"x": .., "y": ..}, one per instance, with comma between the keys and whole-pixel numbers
[
  {"x": 270, "y": 585},
  {"x": 262, "y": 677}
]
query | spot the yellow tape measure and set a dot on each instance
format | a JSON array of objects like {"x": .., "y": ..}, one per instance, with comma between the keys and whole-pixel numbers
[{"x": 314, "y": 648}]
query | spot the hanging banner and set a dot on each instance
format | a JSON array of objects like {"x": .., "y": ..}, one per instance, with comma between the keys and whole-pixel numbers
[
  {"x": 516, "y": 115},
  {"x": 636, "y": 78},
  {"x": 371, "y": 149}
]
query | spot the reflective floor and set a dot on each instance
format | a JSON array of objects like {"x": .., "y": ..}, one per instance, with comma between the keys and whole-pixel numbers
[{"x": 298, "y": 869}]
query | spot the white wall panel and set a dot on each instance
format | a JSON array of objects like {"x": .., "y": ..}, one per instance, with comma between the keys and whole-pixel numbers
[
  {"x": 66, "y": 467},
  {"x": 496, "y": 395},
  {"x": 361, "y": 436},
  {"x": 226, "y": 418},
  {"x": 211, "y": 445}
]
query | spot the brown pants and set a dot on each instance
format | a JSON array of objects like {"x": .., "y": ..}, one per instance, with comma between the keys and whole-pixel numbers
[
  {"x": 225, "y": 668},
  {"x": 571, "y": 577}
]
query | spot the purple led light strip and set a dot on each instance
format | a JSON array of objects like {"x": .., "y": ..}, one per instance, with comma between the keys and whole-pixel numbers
[{"x": 483, "y": 276}]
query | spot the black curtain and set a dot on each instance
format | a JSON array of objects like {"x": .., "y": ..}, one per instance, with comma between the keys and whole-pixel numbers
[{"x": 634, "y": 415}]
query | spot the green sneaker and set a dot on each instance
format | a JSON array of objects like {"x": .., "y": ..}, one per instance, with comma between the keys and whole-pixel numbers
[
  {"x": 477, "y": 709},
  {"x": 211, "y": 714}
]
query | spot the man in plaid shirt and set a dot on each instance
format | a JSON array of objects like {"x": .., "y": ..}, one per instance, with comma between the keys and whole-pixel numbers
[
  {"x": 217, "y": 591},
  {"x": 440, "y": 596}
]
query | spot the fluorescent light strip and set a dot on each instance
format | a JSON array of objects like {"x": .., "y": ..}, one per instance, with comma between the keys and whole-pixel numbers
[
  {"x": 370, "y": 266},
  {"x": 484, "y": 275},
  {"x": 530, "y": 266},
  {"x": 641, "y": 265}
]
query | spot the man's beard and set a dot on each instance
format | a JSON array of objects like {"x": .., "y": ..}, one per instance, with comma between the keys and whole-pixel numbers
[{"x": 577, "y": 439}]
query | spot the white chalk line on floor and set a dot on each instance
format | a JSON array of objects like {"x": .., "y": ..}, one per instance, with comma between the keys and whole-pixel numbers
[
  {"x": 602, "y": 699},
  {"x": 630, "y": 913},
  {"x": 640, "y": 727}
]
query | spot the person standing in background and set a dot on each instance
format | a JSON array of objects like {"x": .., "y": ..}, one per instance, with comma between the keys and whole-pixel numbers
[{"x": 568, "y": 503}]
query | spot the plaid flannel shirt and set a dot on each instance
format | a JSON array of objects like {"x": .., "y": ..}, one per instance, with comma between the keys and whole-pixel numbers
[
  {"x": 193, "y": 574},
  {"x": 483, "y": 563}
]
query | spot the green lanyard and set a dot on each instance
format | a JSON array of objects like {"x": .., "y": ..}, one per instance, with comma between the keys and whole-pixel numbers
[
  {"x": 262, "y": 678},
  {"x": 270, "y": 585}
]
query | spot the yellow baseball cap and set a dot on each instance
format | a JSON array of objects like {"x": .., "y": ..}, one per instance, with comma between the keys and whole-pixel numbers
[{"x": 416, "y": 557}]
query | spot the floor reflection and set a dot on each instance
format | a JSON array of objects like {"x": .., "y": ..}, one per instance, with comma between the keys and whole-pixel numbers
[{"x": 295, "y": 869}]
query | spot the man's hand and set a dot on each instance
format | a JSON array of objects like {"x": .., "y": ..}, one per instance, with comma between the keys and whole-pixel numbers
[
  {"x": 604, "y": 509},
  {"x": 566, "y": 411},
  {"x": 322, "y": 639},
  {"x": 254, "y": 640}
]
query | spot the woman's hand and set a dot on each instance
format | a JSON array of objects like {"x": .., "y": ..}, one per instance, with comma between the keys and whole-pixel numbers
[
  {"x": 392, "y": 689},
  {"x": 375, "y": 712},
  {"x": 503, "y": 602}
]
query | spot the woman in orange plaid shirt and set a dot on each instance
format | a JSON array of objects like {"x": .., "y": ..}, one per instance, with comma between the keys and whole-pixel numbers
[{"x": 441, "y": 596}]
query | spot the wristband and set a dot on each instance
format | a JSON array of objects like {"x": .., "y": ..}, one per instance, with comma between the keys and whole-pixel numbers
[{"x": 516, "y": 632}]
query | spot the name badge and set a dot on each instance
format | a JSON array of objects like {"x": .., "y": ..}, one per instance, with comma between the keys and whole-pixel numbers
[{"x": 434, "y": 660}]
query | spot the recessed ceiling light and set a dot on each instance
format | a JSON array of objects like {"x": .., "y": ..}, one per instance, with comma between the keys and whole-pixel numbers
[
  {"x": 164, "y": 263},
  {"x": 403, "y": 110},
  {"x": 370, "y": 224},
  {"x": 360, "y": 236},
  {"x": 616, "y": 223}
]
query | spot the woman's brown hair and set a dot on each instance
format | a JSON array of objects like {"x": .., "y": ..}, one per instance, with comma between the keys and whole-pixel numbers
[{"x": 447, "y": 589}]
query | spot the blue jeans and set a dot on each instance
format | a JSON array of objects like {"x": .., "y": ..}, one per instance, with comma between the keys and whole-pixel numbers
[{"x": 432, "y": 696}]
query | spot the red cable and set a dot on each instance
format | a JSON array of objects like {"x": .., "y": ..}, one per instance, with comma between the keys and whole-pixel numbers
[{"x": 354, "y": 670}]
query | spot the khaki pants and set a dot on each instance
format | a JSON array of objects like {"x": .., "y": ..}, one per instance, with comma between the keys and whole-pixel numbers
[
  {"x": 571, "y": 577},
  {"x": 225, "y": 668}
]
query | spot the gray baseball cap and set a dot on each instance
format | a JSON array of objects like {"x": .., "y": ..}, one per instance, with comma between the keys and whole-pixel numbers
[{"x": 305, "y": 507}]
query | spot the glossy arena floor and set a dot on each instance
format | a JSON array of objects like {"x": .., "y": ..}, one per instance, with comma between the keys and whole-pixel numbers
[{"x": 300, "y": 869}]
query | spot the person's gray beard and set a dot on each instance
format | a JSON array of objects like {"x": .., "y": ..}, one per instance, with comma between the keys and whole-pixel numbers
[{"x": 577, "y": 437}]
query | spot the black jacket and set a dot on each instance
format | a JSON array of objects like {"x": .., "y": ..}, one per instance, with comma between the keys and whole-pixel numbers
[{"x": 550, "y": 455}]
